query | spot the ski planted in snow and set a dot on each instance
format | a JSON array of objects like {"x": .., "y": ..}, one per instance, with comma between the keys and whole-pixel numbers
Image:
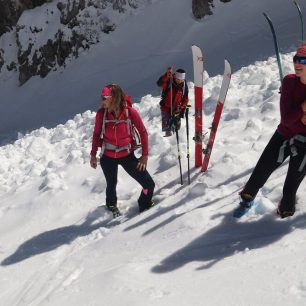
[
  {"x": 276, "y": 47},
  {"x": 198, "y": 102},
  {"x": 301, "y": 19},
  {"x": 222, "y": 95}
]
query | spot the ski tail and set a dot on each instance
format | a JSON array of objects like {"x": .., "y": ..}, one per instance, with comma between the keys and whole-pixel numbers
[
  {"x": 222, "y": 96},
  {"x": 198, "y": 102}
]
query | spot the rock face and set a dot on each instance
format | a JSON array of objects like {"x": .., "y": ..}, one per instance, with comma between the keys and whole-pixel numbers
[
  {"x": 81, "y": 23},
  {"x": 201, "y": 8},
  {"x": 32, "y": 46},
  {"x": 10, "y": 11}
]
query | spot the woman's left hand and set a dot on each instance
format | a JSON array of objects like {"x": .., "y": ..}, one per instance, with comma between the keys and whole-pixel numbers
[{"x": 142, "y": 163}]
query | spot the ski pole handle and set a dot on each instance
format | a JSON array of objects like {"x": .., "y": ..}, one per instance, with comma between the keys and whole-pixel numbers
[{"x": 169, "y": 71}]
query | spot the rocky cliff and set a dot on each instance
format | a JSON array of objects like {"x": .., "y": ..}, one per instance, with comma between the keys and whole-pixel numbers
[{"x": 38, "y": 36}]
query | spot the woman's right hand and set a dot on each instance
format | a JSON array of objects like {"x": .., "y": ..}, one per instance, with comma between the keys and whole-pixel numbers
[{"x": 93, "y": 162}]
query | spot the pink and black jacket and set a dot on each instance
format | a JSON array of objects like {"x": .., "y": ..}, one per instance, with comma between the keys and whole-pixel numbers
[{"x": 117, "y": 134}]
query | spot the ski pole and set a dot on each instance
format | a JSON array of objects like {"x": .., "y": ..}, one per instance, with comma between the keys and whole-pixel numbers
[
  {"x": 170, "y": 84},
  {"x": 179, "y": 154},
  {"x": 187, "y": 131}
]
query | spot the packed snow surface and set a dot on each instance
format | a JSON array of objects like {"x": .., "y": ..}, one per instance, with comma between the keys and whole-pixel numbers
[{"x": 58, "y": 246}]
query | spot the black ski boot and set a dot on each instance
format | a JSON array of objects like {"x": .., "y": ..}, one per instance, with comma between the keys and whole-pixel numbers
[
  {"x": 285, "y": 212},
  {"x": 148, "y": 206},
  {"x": 114, "y": 210}
]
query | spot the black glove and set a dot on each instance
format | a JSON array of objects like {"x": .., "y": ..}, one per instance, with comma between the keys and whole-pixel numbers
[
  {"x": 175, "y": 121},
  {"x": 182, "y": 113}
]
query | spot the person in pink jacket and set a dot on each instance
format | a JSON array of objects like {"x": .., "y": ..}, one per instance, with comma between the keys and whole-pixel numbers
[{"x": 113, "y": 132}]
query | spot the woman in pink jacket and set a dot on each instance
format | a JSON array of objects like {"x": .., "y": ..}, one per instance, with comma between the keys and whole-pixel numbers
[{"x": 113, "y": 132}]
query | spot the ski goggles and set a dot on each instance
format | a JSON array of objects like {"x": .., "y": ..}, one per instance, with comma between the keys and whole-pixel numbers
[
  {"x": 299, "y": 59},
  {"x": 104, "y": 97}
]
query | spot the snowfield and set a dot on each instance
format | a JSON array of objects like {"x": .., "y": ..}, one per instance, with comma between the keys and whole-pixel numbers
[{"x": 58, "y": 246}]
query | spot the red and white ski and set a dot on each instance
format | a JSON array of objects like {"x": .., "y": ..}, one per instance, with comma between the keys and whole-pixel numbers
[
  {"x": 198, "y": 102},
  {"x": 223, "y": 91}
]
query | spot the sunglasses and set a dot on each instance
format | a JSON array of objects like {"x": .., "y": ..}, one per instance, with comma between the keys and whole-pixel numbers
[
  {"x": 105, "y": 97},
  {"x": 299, "y": 59}
]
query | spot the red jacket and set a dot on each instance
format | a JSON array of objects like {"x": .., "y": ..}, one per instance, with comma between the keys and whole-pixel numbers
[
  {"x": 293, "y": 94},
  {"x": 118, "y": 134},
  {"x": 179, "y": 95}
]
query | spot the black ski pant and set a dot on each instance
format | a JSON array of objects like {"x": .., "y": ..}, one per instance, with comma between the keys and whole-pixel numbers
[
  {"x": 129, "y": 163},
  {"x": 268, "y": 163}
]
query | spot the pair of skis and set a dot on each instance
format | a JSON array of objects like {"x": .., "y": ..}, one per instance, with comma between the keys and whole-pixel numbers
[{"x": 198, "y": 92}]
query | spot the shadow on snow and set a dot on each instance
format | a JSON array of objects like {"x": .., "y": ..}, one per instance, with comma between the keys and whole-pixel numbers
[
  {"x": 229, "y": 238},
  {"x": 53, "y": 239}
]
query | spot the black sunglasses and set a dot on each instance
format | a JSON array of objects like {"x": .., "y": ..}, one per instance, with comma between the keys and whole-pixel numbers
[
  {"x": 104, "y": 98},
  {"x": 299, "y": 59}
]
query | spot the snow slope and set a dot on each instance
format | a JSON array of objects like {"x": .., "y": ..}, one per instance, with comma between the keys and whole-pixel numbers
[
  {"x": 139, "y": 51},
  {"x": 58, "y": 247}
]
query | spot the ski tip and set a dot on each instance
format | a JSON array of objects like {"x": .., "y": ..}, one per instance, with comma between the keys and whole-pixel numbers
[
  {"x": 296, "y": 4},
  {"x": 227, "y": 67},
  {"x": 196, "y": 49},
  {"x": 227, "y": 62},
  {"x": 267, "y": 16}
]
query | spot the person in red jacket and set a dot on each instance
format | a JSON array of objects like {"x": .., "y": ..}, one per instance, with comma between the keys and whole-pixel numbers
[
  {"x": 289, "y": 140},
  {"x": 113, "y": 132},
  {"x": 174, "y": 99}
]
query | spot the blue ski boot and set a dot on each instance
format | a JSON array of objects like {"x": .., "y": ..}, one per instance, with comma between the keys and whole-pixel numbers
[{"x": 244, "y": 206}]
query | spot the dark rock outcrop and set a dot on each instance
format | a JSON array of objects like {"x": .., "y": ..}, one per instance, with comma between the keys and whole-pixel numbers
[
  {"x": 10, "y": 11},
  {"x": 201, "y": 8},
  {"x": 84, "y": 26},
  {"x": 74, "y": 14},
  {"x": 1, "y": 59}
]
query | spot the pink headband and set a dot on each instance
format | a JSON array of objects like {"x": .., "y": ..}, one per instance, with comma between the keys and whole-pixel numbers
[
  {"x": 106, "y": 92},
  {"x": 301, "y": 51}
]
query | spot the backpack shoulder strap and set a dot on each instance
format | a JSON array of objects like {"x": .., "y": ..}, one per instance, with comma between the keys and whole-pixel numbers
[
  {"x": 166, "y": 90},
  {"x": 103, "y": 123}
]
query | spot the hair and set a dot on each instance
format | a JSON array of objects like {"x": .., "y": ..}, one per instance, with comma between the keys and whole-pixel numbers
[
  {"x": 118, "y": 96},
  {"x": 181, "y": 70}
]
